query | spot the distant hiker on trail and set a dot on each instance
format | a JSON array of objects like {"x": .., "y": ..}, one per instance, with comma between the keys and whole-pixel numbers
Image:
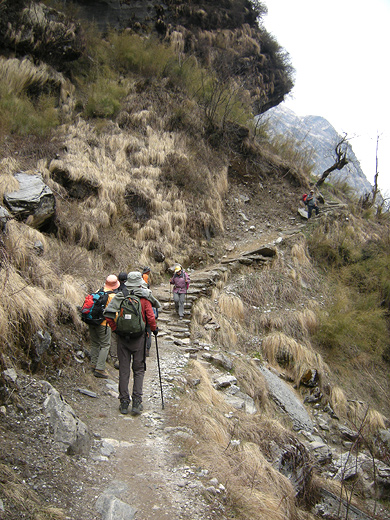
[
  {"x": 181, "y": 281},
  {"x": 122, "y": 277},
  {"x": 311, "y": 202},
  {"x": 146, "y": 275},
  {"x": 100, "y": 335},
  {"x": 131, "y": 338}
]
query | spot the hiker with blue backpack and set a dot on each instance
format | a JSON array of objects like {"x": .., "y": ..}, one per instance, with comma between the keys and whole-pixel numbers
[
  {"x": 127, "y": 314},
  {"x": 99, "y": 332}
]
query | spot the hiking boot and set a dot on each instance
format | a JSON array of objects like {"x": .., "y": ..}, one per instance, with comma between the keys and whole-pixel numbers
[
  {"x": 100, "y": 373},
  {"x": 124, "y": 406},
  {"x": 137, "y": 407}
]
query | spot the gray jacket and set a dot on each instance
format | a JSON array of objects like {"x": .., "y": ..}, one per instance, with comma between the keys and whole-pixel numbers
[
  {"x": 311, "y": 200},
  {"x": 114, "y": 306}
]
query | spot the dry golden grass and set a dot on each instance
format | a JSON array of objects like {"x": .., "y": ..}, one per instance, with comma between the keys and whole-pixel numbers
[
  {"x": 360, "y": 415},
  {"x": 20, "y": 75},
  {"x": 252, "y": 382},
  {"x": 299, "y": 255},
  {"x": 307, "y": 321},
  {"x": 231, "y": 306},
  {"x": 19, "y": 242},
  {"x": 227, "y": 335},
  {"x": 338, "y": 401},
  {"x": 8, "y": 183},
  {"x": 255, "y": 488},
  {"x": 283, "y": 350},
  {"x": 364, "y": 418},
  {"x": 27, "y": 501}
]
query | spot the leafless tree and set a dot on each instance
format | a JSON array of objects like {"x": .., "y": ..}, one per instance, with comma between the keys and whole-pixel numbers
[
  {"x": 375, "y": 187},
  {"x": 341, "y": 159}
]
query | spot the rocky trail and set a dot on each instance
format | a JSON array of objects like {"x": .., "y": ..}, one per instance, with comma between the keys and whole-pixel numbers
[{"x": 135, "y": 467}]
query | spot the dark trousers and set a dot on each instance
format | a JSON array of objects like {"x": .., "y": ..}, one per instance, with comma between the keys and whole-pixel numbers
[
  {"x": 310, "y": 210},
  {"x": 148, "y": 337},
  {"x": 131, "y": 351}
]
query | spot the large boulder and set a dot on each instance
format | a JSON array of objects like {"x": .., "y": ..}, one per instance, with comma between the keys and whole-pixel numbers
[
  {"x": 33, "y": 202},
  {"x": 287, "y": 401},
  {"x": 69, "y": 432}
]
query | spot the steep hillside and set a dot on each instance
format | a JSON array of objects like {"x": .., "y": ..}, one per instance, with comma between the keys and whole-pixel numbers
[{"x": 137, "y": 148}]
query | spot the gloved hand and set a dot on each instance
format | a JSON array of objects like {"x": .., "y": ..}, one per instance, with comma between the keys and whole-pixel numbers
[
  {"x": 155, "y": 332},
  {"x": 111, "y": 323}
]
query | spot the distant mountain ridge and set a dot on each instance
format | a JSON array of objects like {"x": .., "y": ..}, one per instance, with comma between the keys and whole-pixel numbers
[{"x": 318, "y": 135}]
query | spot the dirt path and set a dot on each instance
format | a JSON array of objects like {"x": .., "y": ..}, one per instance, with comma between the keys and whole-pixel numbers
[{"x": 147, "y": 469}]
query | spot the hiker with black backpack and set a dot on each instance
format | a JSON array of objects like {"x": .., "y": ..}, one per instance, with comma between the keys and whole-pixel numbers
[
  {"x": 99, "y": 332},
  {"x": 127, "y": 314}
]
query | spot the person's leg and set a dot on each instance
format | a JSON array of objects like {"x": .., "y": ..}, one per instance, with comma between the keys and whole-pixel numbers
[
  {"x": 94, "y": 338},
  {"x": 317, "y": 210},
  {"x": 124, "y": 357},
  {"x": 104, "y": 334},
  {"x": 309, "y": 210},
  {"x": 182, "y": 298},
  {"x": 176, "y": 300},
  {"x": 138, "y": 366}
]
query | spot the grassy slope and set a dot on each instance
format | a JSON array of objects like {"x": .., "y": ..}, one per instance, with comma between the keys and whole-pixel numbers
[{"x": 154, "y": 182}]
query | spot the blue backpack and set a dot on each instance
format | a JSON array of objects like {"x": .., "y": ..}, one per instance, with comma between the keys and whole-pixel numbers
[{"x": 93, "y": 307}]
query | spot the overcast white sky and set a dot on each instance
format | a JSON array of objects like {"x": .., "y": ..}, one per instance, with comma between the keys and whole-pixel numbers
[{"x": 340, "y": 52}]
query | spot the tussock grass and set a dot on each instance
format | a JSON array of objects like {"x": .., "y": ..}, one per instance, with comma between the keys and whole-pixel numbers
[
  {"x": 338, "y": 400},
  {"x": 254, "y": 487},
  {"x": 231, "y": 306},
  {"x": 299, "y": 324},
  {"x": 23, "y": 76},
  {"x": 227, "y": 335},
  {"x": 299, "y": 255},
  {"x": 283, "y": 350},
  {"x": 294, "y": 153},
  {"x": 271, "y": 287},
  {"x": 19, "y": 242},
  {"x": 252, "y": 382},
  {"x": 21, "y": 496},
  {"x": 365, "y": 419},
  {"x": 22, "y": 110}
]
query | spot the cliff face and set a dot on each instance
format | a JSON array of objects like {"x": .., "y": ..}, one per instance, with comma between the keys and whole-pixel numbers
[
  {"x": 225, "y": 36},
  {"x": 317, "y": 135}
]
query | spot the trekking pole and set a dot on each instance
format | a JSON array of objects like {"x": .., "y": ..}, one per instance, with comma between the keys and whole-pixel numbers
[{"x": 159, "y": 375}]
